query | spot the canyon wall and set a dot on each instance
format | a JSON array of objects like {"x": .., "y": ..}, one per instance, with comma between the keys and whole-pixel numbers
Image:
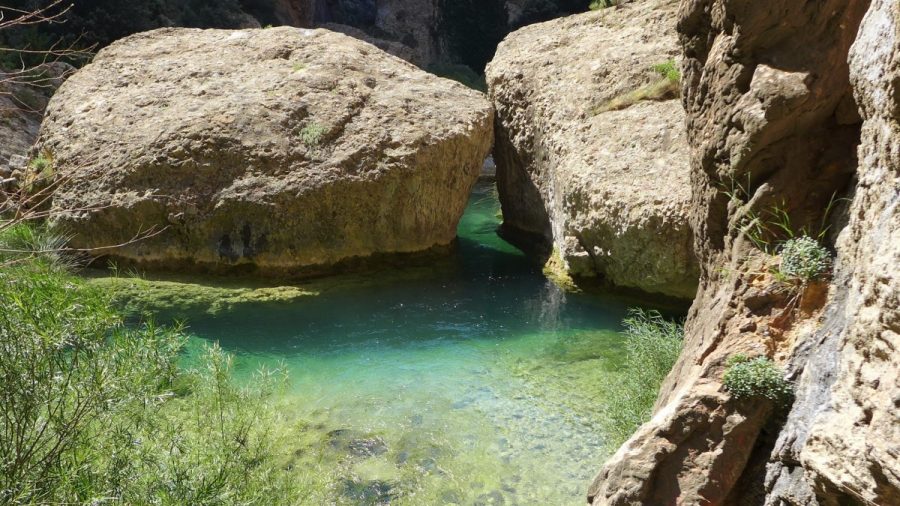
[
  {"x": 431, "y": 32},
  {"x": 792, "y": 106}
]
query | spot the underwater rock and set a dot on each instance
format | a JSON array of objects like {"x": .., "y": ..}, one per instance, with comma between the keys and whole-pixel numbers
[
  {"x": 277, "y": 151},
  {"x": 605, "y": 189},
  {"x": 356, "y": 444},
  {"x": 368, "y": 492}
]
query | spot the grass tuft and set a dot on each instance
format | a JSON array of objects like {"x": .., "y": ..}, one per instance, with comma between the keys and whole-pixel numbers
[
  {"x": 653, "y": 346},
  {"x": 666, "y": 88}
]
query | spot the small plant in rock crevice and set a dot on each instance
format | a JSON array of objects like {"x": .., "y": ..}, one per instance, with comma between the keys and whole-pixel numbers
[
  {"x": 665, "y": 88},
  {"x": 771, "y": 228},
  {"x": 311, "y": 134},
  {"x": 41, "y": 164},
  {"x": 669, "y": 70},
  {"x": 804, "y": 259},
  {"x": 748, "y": 378}
]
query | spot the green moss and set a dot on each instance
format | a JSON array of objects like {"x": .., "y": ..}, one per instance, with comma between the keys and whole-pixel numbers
[
  {"x": 555, "y": 270},
  {"x": 143, "y": 295}
]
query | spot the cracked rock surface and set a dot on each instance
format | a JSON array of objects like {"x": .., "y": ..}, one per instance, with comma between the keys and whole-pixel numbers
[{"x": 280, "y": 150}]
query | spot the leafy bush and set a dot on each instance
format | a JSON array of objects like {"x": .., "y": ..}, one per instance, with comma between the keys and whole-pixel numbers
[
  {"x": 804, "y": 258},
  {"x": 95, "y": 411},
  {"x": 653, "y": 346},
  {"x": 747, "y": 378}
]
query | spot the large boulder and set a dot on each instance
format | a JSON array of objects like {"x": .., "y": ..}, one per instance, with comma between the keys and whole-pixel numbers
[
  {"x": 282, "y": 150},
  {"x": 591, "y": 154}
]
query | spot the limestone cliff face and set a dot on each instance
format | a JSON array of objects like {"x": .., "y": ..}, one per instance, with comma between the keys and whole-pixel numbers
[
  {"x": 606, "y": 186},
  {"x": 782, "y": 112},
  {"x": 282, "y": 150}
]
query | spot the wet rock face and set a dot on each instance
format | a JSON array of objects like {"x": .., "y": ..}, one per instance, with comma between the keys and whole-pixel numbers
[
  {"x": 781, "y": 108},
  {"x": 609, "y": 190},
  {"x": 278, "y": 150}
]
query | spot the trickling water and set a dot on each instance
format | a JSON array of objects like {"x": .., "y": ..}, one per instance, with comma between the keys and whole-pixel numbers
[{"x": 475, "y": 384}]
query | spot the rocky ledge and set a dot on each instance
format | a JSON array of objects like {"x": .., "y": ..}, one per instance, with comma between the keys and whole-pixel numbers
[
  {"x": 282, "y": 151},
  {"x": 592, "y": 159}
]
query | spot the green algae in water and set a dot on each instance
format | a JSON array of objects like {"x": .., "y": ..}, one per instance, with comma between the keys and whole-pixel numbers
[{"x": 474, "y": 383}]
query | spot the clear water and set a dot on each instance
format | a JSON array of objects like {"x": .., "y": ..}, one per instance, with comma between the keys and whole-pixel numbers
[{"x": 475, "y": 383}]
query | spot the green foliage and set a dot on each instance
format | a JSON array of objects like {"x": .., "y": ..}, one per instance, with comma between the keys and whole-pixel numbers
[
  {"x": 773, "y": 227},
  {"x": 97, "y": 411},
  {"x": 747, "y": 378},
  {"x": 653, "y": 346},
  {"x": 803, "y": 258},
  {"x": 21, "y": 241},
  {"x": 311, "y": 134},
  {"x": 662, "y": 89},
  {"x": 602, "y": 4},
  {"x": 669, "y": 70},
  {"x": 41, "y": 164}
]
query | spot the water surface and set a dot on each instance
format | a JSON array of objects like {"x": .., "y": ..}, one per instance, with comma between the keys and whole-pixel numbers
[{"x": 474, "y": 383}]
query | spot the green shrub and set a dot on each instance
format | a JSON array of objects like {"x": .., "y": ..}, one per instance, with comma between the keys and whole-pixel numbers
[
  {"x": 311, "y": 134},
  {"x": 653, "y": 345},
  {"x": 747, "y": 378},
  {"x": 803, "y": 258},
  {"x": 96, "y": 411},
  {"x": 669, "y": 70}
]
